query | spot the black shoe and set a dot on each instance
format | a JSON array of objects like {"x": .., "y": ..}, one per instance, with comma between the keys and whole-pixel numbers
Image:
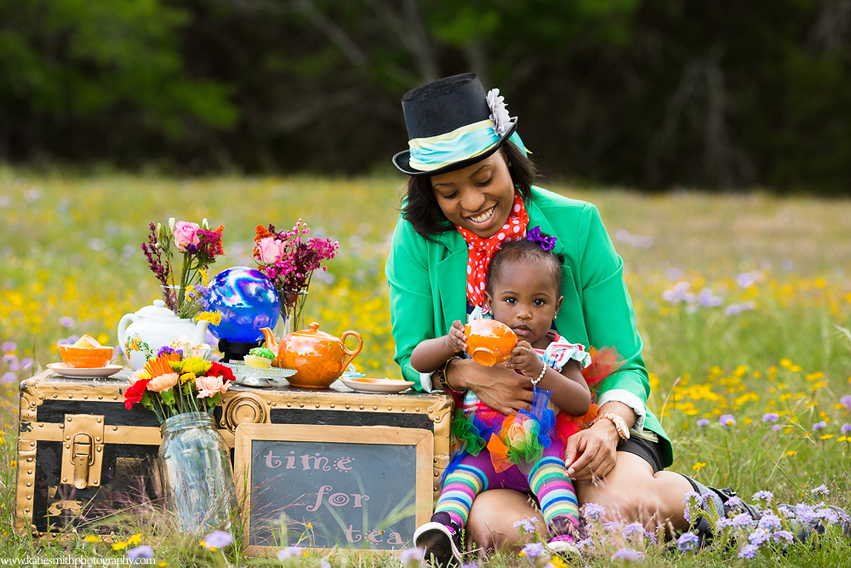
[{"x": 440, "y": 540}]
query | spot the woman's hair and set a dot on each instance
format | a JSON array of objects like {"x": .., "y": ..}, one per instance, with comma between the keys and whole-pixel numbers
[
  {"x": 523, "y": 250},
  {"x": 420, "y": 207}
]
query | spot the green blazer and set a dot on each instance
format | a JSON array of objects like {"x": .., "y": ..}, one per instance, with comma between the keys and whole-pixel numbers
[{"x": 428, "y": 281}]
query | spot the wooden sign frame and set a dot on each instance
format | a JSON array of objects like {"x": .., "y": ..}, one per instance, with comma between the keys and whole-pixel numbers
[{"x": 247, "y": 434}]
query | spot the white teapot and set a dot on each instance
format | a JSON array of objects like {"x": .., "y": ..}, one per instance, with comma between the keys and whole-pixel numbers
[{"x": 144, "y": 333}]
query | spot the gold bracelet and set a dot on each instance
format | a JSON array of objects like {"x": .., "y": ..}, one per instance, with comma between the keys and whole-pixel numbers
[
  {"x": 619, "y": 422},
  {"x": 441, "y": 375}
]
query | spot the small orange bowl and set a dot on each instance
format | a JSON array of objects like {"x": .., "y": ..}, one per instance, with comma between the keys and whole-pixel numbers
[
  {"x": 489, "y": 342},
  {"x": 86, "y": 357}
]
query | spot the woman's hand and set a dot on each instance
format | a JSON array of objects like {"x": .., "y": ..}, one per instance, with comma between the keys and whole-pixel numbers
[
  {"x": 591, "y": 454},
  {"x": 499, "y": 387}
]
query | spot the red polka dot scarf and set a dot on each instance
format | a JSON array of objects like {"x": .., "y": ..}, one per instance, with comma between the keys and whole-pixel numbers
[{"x": 480, "y": 251}]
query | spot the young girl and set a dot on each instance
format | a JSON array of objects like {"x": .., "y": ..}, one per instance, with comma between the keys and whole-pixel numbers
[{"x": 523, "y": 451}]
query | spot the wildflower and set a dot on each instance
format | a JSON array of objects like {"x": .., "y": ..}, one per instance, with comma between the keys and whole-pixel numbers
[
  {"x": 759, "y": 536},
  {"x": 119, "y": 546},
  {"x": 92, "y": 538},
  {"x": 13, "y": 463},
  {"x": 846, "y": 401},
  {"x": 769, "y": 521},
  {"x": 217, "y": 539},
  {"x": 820, "y": 491},
  {"x": 627, "y": 554},
  {"x": 742, "y": 520},
  {"x": 734, "y": 502},
  {"x": 819, "y": 425},
  {"x": 846, "y": 428},
  {"x": 827, "y": 515},
  {"x": 533, "y": 550},
  {"x": 748, "y": 551},
  {"x": 723, "y": 523},
  {"x": 326, "y": 564},
  {"x": 143, "y": 551},
  {"x": 8, "y": 377},
  {"x": 687, "y": 541},
  {"x": 135, "y": 539},
  {"x": 763, "y": 496},
  {"x": 593, "y": 512},
  {"x": 468, "y": 565},
  {"x": 702, "y": 422},
  {"x": 770, "y": 417},
  {"x": 784, "y": 535},
  {"x": 698, "y": 466},
  {"x": 727, "y": 420},
  {"x": 65, "y": 321},
  {"x": 805, "y": 513},
  {"x": 406, "y": 556},
  {"x": 290, "y": 551},
  {"x": 555, "y": 562},
  {"x": 9, "y": 346},
  {"x": 633, "y": 528},
  {"x": 528, "y": 525}
]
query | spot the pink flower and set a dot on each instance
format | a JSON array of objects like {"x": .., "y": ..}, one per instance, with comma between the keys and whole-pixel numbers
[
  {"x": 271, "y": 249},
  {"x": 209, "y": 386},
  {"x": 163, "y": 382},
  {"x": 185, "y": 234}
]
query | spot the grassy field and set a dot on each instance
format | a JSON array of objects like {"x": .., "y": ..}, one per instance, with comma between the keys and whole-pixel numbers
[{"x": 743, "y": 302}]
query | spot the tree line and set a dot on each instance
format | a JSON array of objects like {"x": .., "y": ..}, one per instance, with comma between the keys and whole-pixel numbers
[{"x": 654, "y": 95}]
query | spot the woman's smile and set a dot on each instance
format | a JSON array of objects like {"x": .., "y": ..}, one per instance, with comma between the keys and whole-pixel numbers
[{"x": 484, "y": 217}]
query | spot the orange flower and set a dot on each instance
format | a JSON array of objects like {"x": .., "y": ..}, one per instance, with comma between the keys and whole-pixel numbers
[
  {"x": 209, "y": 386},
  {"x": 163, "y": 382}
]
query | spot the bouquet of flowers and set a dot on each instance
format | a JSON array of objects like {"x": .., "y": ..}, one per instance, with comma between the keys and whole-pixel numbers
[
  {"x": 289, "y": 259},
  {"x": 184, "y": 293},
  {"x": 170, "y": 384}
]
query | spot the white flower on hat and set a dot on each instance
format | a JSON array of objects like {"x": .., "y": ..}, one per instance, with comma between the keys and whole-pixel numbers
[{"x": 499, "y": 112}]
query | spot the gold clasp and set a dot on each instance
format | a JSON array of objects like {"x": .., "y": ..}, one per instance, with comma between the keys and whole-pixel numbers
[{"x": 82, "y": 450}]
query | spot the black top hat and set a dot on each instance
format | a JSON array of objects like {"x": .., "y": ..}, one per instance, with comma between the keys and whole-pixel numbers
[{"x": 449, "y": 126}]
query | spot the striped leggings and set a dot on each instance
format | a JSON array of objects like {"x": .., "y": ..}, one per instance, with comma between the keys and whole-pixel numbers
[{"x": 547, "y": 479}]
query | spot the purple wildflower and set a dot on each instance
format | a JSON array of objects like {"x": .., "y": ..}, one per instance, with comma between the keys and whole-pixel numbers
[
  {"x": 709, "y": 300},
  {"x": 8, "y": 377},
  {"x": 819, "y": 425},
  {"x": 218, "y": 539},
  {"x": 763, "y": 496},
  {"x": 593, "y": 512},
  {"x": 759, "y": 537},
  {"x": 769, "y": 521},
  {"x": 734, "y": 502},
  {"x": 846, "y": 428},
  {"x": 827, "y": 515},
  {"x": 633, "y": 528},
  {"x": 678, "y": 293},
  {"x": 784, "y": 535},
  {"x": 742, "y": 520},
  {"x": 777, "y": 427},
  {"x": 723, "y": 523},
  {"x": 688, "y": 541},
  {"x": 472, "y": 564},
  {"x": 291, "y": 551},
  {"x": 26, "y": 363},
  {"x": 748, "y": 551},
  {"x": 770, "y": 417},
  {"x": 846, "y": 401},
  {"x": 735, "y": 309},
  {"x": 65, "y": 321},
  {"x": 585, "y": 544},
  {"x": 143, "y": 551},
  {"x": 820, "y": 491},
  {"x": 627, "y": 554},
  {"x": 702, "y": 422},
  {"x": 805, "y": 513},
  {"x": 9, "y": 346},
  {"x": 528, "y": 525},
  {"x": 168, "y": 350},
  {"x": 727, "y": 420},
  {"x": 533, "y": 549},
  {"x": 406, "y": 556}
]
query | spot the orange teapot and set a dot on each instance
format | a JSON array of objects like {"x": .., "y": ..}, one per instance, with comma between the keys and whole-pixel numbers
[{"x": 317, "y": 357}]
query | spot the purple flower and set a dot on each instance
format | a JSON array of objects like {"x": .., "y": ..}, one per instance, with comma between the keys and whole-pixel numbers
[
  {"x": 846, "y": 428},
  {"x": 734, "y": 502},
  {"x": 727, "y": 420},
  {"x": 819, "y": 425},
  {"x": 748, "y": 551},
  {"x": 528, "y": 525},
  {"x": 533, "y": 549},
  {"x": 777, "y": 427},
  {"x": 627, "y": 554},
  {"x": 65, "y": 321},
  {"x": 846, "y": 401},
  {"x": 708, "y": 300},
  {"x": 763, "y": 496},
  {"x": 820, "y": 491},
  {"x": 406, "y": 556},
  {"x": 678, "y": 293},
  {"x": 633, "y": 528},
  {"x": 8, "y": 377},
  {"x": 828, "y": 515},
  {"x": 785, "y": 535},
  {"x": 218, "y": 539},
  {"x": 759, "y": 536},
  {"x": 9, "y": 346},
  {"x": 26, "y": 363},
  {"x": 769, "y": 521},
  {"x": 742, "y": 520},
  {"x": 688, "y": 541},
  {"x": 290, "y": 551},
  {"x": 143, "y": 551},
  {"x": 593, "y": 512},
  {"x": 723, "y": 523},
  {"x": 703, "y": 422},
  {"x": 805, "y": 513},
  {"x": 735, "y": 309},
  {"x": 467, "y": 565},
  {"x": 770, "y": 417}
]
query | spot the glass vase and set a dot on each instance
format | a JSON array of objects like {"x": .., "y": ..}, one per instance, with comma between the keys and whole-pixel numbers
[
  {"x": 292, "y": 306},
  {"x": 172, "y": 297},
  {"x": 196, "y": 473}
]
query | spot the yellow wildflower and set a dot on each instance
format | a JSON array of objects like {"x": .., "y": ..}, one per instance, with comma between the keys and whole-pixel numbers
[
  {"x": 187, "y": 377},
  {"x": 13, "y": 463},
  {"x": 135, "y": 539},
  {"x": 698, "y": 466},
  {"x": 827, "y": 436},
  {"x": 93, "y": 538},
  {"x": 119, "y": 546},
  {"x": 214, "y": 318},
  {"x": 791, "y": 453}
]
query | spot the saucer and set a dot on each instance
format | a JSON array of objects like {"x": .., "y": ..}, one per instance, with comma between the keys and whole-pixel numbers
[
  {"x": 258, "y": 377},
  {"x": 66, "y": 371},
  {"x": 376, "y": 385}
]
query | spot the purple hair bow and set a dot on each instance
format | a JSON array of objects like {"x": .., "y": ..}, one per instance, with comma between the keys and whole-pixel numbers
[{"x": 534, "y": 235}]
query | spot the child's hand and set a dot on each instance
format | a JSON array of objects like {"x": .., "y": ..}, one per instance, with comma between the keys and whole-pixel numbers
[
  {"x": 524, "y": 359},
  {"x": 455, "y": 340}
]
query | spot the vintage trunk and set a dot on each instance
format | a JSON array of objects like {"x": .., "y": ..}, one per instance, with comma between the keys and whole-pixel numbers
[{"x": 82, "y": 455}]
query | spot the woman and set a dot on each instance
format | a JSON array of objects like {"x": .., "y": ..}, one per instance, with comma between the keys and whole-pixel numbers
[{"x": 470, "y": 188}]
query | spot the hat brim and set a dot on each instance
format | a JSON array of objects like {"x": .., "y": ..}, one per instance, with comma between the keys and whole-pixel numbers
[{"x": 402, "y": 159}]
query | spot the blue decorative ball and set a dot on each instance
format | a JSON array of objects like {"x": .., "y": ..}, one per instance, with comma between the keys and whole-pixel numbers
[{"x": 248, "y": 302}]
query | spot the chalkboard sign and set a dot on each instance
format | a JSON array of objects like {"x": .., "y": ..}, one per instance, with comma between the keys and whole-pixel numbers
[{"x": 365, "y": 487}]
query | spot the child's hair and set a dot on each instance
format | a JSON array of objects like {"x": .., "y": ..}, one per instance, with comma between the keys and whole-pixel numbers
[{"x": 524, "y": 249}]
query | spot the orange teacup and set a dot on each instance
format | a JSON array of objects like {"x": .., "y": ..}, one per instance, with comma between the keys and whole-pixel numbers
[
  {"x": 86, "y": 357},
  {"x": 489, "y": 342}
]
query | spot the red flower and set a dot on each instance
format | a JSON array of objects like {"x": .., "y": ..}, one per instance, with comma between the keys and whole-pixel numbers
[
  {"x": 134, "y": 394},
  {"x": 217, "y": 370}
]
